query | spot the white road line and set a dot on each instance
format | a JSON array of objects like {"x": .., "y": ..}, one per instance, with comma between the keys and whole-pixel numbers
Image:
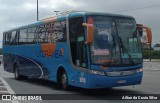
[{"x": 8, "y": 88}]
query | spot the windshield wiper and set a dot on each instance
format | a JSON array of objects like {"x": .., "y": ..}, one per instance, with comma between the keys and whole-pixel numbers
[{"x": 125, "y": 49}]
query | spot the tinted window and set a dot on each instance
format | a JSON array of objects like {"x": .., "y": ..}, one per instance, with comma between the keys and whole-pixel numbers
[
  {"x": 52, "y": 31},
  {"x": 23, "y": 36},
  {"x": 4, "y": 38},
  {"x": 7, "y": 38},
  {"x": 13, "y": 40},
  {"x": 59, "y": 31},
  {"x": 43, "y": 33},
  {"x": 31, "y": 35}
]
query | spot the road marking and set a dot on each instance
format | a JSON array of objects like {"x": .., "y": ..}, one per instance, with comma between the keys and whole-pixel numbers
[{"x": 8, "y": 88}]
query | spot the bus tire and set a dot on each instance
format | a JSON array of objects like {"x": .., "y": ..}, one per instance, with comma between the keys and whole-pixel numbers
[
  {"x": 64, "y": 81},
  {"x": 17, "y": 74}
]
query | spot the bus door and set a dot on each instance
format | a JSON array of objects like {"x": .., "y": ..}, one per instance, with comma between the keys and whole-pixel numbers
[{"x": 77, "y": 46}]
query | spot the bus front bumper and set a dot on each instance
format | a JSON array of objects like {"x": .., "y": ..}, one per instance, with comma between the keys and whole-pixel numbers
[{"x": 99, "y": 81}]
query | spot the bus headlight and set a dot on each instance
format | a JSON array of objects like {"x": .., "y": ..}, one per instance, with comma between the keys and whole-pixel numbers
[
  {"x": 139, "y": 70},
  {"x": 97, "y": 72}
]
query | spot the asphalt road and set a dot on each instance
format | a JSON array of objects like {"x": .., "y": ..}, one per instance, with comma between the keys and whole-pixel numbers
[{"x": 150, "y": 85}]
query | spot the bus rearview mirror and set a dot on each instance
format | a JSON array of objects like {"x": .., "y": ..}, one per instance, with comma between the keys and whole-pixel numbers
[
  {"x": 90, "y": 32},
  {"x": 148, "y": 32}
]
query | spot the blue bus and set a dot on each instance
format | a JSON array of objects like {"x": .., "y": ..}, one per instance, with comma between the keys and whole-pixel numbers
[{"x": 82, "y": 49}]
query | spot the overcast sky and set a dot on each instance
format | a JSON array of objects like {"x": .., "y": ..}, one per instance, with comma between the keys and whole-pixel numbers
[{"x": 14, "y": 13}]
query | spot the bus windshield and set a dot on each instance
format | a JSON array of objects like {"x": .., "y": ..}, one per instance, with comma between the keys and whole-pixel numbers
[{"x": 116, "y": 42}]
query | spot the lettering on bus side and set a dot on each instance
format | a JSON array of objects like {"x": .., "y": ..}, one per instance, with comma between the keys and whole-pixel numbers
[
  {"x": 56, "y": 54},
  {"x": 40, "y": 53}
]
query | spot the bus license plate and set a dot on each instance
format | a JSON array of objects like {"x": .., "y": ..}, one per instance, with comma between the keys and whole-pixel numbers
[{"x": 121, "y": 81}]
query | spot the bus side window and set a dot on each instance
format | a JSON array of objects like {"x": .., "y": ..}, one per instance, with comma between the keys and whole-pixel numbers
[
  {"x": 7, "y": 38},
  {"x": 23, "y": 36},
  {"x": 13, "y": 38},
  {"x": 46, "y": 35},
  {"x": 60, "y": 31},
  {"x": 4, "y": 39},
  {"x": 31, "y": 37},
  {"x": 43, "y": 33}
]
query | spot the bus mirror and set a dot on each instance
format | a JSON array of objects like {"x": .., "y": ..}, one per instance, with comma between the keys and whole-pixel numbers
[
  {"x": 140, "y": 30},
  {"x": 90, "y": 32},
  {"x": 148, "y": 32}
]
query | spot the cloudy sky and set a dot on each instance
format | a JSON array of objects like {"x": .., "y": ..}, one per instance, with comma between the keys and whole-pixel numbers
[{"x": 14, "y": 13}]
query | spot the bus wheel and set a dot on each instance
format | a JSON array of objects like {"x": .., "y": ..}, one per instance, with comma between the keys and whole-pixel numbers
[
  {"x": 16, "y": 73},
  {"x": 64, "y": 81}
]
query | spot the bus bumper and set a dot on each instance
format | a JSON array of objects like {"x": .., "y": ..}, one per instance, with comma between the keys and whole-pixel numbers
[{"x": 98, "y": 81}]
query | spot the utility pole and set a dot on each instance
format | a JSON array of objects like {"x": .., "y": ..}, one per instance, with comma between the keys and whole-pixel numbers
[
  {"x": 150, "y": 47},
  {"x": 37, "y": 12}
]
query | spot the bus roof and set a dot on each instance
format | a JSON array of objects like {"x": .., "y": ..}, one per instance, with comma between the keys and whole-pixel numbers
[
  {"x": 81, "y": 13},
  {"x": 62, "y": 16}
]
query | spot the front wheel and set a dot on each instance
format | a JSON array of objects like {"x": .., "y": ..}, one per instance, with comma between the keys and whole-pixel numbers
[{"x": 64, "y": 81}]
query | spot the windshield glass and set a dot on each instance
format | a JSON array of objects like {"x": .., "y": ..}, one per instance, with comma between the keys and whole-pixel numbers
[
  {"x": 116, "y": 41},
  {"x": 129, "y": 40}
]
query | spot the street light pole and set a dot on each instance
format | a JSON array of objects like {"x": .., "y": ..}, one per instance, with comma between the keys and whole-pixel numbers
[
  {"x": 37, "y": 12},
  {"x": 150, "y": 51},
  {"x": 56, "y": 12}
]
